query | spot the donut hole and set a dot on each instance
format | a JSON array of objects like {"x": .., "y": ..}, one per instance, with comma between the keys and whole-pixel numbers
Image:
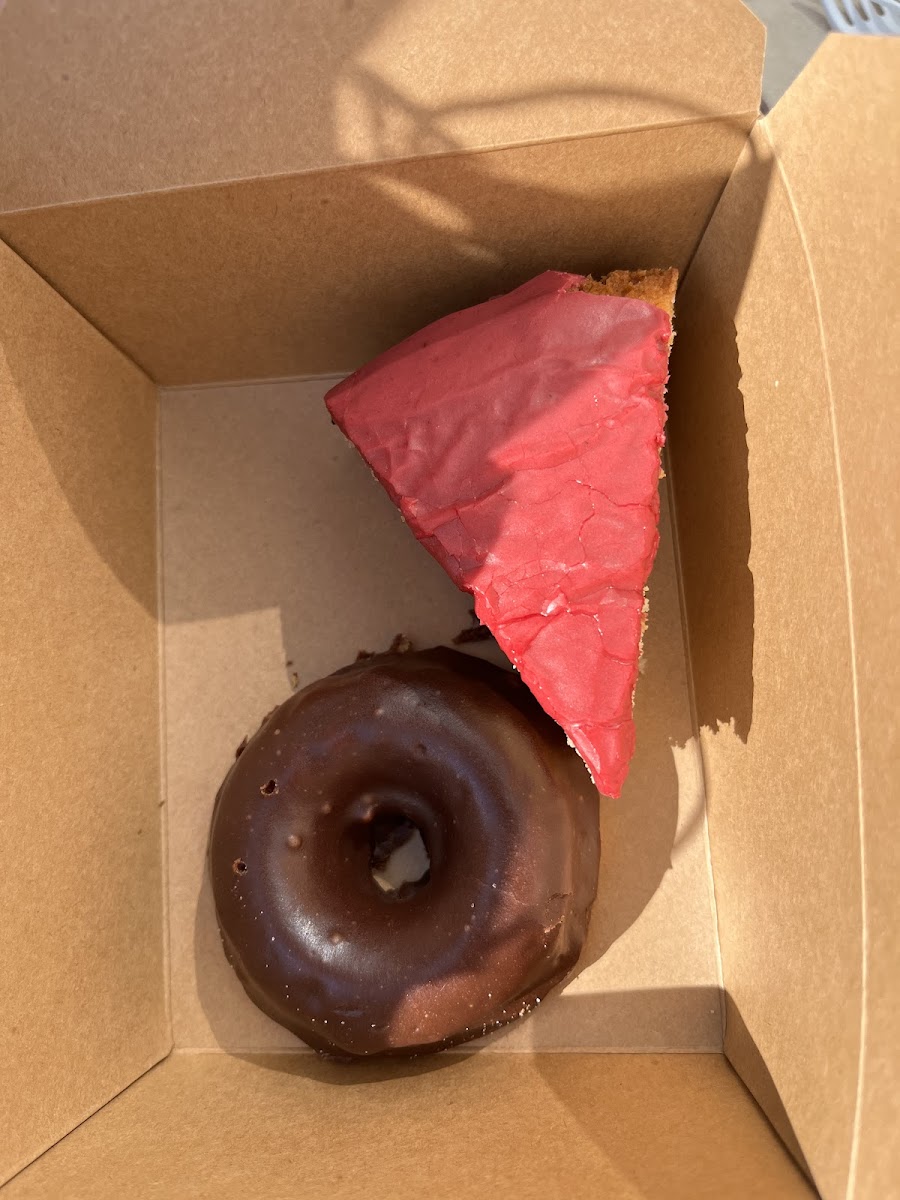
[{"x": 398, "y": 857}]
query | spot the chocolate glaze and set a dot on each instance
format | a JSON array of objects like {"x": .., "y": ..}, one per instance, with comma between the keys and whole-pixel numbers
[{"x": 509, "y": 818}]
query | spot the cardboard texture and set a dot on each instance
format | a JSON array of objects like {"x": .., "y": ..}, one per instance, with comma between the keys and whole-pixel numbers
[
  {"x": 104, "y": 100},
  {"x": 312, "y": 115},
  {"x": 767, "y": 417},
  {"x": 540, "y": 1127},
  {"x": 859, "y": 314},
  {"x": 227, "y": 198},
  {"x": 264, "y": 278},
  {"x": 781, "y": 787},
  {"x": 283, "y": 558},
  {"x": 82, "y": 991}
]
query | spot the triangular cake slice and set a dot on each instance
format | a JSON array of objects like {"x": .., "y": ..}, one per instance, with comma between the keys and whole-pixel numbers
[{"x": 521, "y": 441}]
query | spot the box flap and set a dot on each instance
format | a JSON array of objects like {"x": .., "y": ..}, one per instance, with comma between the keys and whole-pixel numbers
[
  {"x": 104, "y": 99},
  {"x": 846, "y": 208},
  {"x": 558, "y": 1127},
  {"x": 785, "y": 479},
  {"x": 303, "y": 275},
  {"x": 82, "y": 990}
]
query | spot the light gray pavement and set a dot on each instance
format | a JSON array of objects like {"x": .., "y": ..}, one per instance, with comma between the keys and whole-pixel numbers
[{"x": 795, "y": 29}]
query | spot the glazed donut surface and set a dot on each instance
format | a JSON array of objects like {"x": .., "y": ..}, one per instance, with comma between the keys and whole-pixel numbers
[{"x": 337, "y": 776}]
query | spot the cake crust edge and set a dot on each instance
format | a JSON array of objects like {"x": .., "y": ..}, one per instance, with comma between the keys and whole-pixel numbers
[{"x": 656, "y": 286}]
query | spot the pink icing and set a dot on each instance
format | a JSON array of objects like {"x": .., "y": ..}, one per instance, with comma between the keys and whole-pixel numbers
[{"x": 520, "y": 440}]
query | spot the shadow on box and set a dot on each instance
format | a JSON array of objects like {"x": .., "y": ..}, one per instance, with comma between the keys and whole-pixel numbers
[
  {"x": 644, "y": 1162},
  {"x": 707, "y": 451}
]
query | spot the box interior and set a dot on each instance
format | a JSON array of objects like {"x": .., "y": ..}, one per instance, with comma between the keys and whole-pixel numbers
[
  {"x": 277, "y": 555},
  {"x": 282, "y": 557},
  {"x": 537, "y": 1125}
]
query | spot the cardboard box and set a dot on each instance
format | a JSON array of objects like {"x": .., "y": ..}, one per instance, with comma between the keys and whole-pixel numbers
[{"x": 209, "y": 212}]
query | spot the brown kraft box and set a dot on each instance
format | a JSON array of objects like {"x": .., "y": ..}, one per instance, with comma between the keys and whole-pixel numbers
[{"x": 208, "y": 213}]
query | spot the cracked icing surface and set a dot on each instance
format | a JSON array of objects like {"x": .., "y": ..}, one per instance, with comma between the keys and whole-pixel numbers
[{"x": 520, "y": 440}]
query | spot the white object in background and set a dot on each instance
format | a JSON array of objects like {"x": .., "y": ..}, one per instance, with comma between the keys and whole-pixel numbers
[{"x": 863, "y": 16}]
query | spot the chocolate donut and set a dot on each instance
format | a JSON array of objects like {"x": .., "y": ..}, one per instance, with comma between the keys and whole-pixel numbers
[{"x": 457, "y": 749}]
